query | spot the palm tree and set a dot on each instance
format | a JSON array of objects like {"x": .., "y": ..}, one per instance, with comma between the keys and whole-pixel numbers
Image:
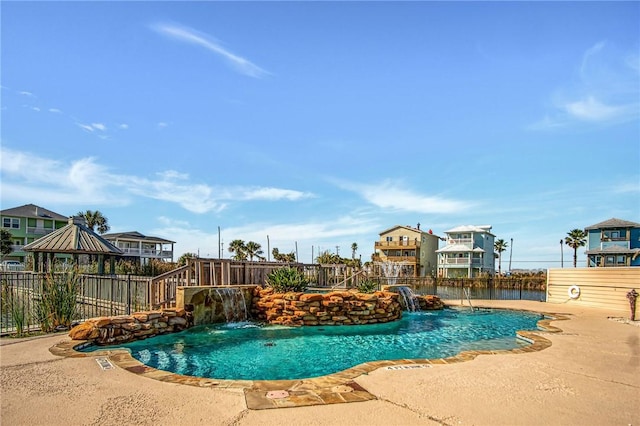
[
  {"x": 253, "y": 249},
  {"x": 184, "y": 259},
  {"x": 238, "y": 247},
  {"x": 575, "y": 238},
  {"x": 95, "y": 218},
  {"x": 500, "y": 246},
  {"x": 326, "y": 257},
  {"x": 354, "y": 248}
]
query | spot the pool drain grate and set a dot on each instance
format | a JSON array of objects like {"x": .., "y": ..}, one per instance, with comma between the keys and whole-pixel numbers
[
  {"x": 104, "y": 363},
  {"x": 278, "y": 394}
]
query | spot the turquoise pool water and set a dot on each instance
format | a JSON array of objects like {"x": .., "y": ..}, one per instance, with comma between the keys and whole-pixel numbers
[{"x": 252, "y": 352}]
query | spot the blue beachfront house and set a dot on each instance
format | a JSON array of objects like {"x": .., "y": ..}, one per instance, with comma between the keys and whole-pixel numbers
[
  {"x": 614, "y": 242},
  {"x": 468, "y": 253}
]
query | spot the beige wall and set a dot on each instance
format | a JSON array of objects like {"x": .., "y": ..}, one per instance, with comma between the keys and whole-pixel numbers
[{"x": 599, "y": 287}]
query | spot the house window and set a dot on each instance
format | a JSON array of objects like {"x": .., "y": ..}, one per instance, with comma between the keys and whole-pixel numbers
[
  {"x": 389, "y": 239},
  {"x": 11, "y": 222},
  {"x": 612, "y": 235},
  {"x": 621, "y": 259}
]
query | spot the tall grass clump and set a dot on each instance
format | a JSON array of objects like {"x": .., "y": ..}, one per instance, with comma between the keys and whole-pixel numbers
[
  {"x": 13, "y": 303},
  {"x": 57, "y": 306}
]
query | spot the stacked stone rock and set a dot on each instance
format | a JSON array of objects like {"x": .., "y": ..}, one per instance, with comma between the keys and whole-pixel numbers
[
  {"x": 430, "y": 303},
  {"x": 126, "y": 328},
  {"x": 335, "y": 308}
]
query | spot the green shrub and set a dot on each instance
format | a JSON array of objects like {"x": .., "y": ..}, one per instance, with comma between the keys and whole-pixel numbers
[
  {"x": 367, "y": 286},
  {"x": 287, "y": 279}
]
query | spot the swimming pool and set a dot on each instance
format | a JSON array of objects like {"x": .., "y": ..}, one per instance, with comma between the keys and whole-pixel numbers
[{"x": 249, "y": 351}]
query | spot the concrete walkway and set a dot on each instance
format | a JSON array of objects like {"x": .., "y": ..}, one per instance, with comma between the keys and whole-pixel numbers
[{"x": 589, "y": 376}]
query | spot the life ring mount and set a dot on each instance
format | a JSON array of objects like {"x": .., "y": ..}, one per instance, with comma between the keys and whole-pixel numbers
[{"x": 574, "y": 292}]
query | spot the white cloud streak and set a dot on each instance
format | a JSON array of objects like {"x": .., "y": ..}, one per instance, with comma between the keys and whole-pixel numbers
[
  {"x": 26, "y": 177},
  {"x": 344, "y": 229},
  {"x": 188, "y": 35},
  {"x": 394, "y": 196},
  {"x": 605, "y": 91}
]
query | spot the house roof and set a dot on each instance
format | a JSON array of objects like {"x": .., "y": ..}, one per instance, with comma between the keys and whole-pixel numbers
[
  {"x": 135, "y": 236},
  {"x": 408, "y": 228},
  {"x": 614, "y": 223},
  {"x": 32, "y": 211},
  {"x": 74, "y": 238},
  {"x": 471, "y": 228}
]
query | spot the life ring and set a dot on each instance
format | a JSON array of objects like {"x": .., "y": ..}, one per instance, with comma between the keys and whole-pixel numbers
[{"x": 574, "y": 292}]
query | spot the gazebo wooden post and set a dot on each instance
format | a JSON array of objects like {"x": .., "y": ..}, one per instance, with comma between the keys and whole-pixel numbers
[{"x": 100, "y": 264}]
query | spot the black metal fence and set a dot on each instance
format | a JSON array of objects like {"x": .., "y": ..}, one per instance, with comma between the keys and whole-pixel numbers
[
  {"x": 22, "y": 294},
  {"x": 511, "y": 288}
]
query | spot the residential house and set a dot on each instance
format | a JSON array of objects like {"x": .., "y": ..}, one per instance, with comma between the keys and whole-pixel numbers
[
  {"x": 141, "y": 248},
  {"x": 614, "y": 242},
  {"x": 468, "y": 253},
  {"x": 412, "y": 248},
  {"x": 27, "y": 224}
]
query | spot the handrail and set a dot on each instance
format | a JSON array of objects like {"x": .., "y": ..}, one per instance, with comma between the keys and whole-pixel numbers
[
  {"x": 170, "y": 273},
  {"x": 347, "y": 279}
]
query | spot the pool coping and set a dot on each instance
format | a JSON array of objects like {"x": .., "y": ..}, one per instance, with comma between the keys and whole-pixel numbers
[{"x": 333, "y": 388}]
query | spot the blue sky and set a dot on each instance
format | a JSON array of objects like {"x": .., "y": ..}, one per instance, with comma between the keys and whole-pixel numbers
[{"x": 325, "y": 123}]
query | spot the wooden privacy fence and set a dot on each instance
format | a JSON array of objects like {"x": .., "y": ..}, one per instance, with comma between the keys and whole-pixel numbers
[
  {"x": 213, "y": 272},
  {"x": 593, "y": 287}
]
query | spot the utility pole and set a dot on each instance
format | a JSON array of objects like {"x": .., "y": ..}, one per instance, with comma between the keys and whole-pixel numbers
[
  {"x": 510, "y": 255},
  {"x": 219, "y": 244},
  {"x": 268, "y": 250},
  {"x": 561, "y": 256},
  {"x": 337, "y": 250}
]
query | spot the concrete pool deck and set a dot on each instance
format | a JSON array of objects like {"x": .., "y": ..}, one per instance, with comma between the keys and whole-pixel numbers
[{"x": 589, "y": 375}]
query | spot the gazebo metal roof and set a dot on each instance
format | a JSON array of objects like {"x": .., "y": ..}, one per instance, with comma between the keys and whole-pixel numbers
[{"x": 75, "y": 238}]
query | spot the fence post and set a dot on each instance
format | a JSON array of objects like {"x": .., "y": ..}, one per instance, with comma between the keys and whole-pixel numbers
[
  {"x": 520, "y": 283},
  {"x": 129, "y": 294}
]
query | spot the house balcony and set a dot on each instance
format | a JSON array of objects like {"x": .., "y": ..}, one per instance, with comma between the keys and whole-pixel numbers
[
  {"x": 397, "y": 244},
  {"x": 135, "y": 251},
  {"x": 397, "y": 259},
  {"x": 461, "y": 261},
  {"x": 463, "y": 241},
  {"x": 620, "y": 244},
  {"x": 38, "y": 231}
]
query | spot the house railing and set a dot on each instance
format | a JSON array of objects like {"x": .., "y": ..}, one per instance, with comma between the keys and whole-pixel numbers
[{"x": 36, "y": 230}]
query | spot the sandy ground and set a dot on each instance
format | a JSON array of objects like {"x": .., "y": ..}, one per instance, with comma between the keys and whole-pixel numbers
[{"x": 589, "y": 376}]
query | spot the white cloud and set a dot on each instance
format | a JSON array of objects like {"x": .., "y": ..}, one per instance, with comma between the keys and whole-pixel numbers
[
  {"x": 590, "y": 109},
  {"x": 395, "y": 196},
  {"x": 27, "y": 94},
  {"x": 273, "y": 194},
  {"x": 593, "y": 50},
  {"x": 99, "y": 126},
  {"x": 283, "y": 236},
  {"x": 26, "y": 177},
  {"x": 242, "y": 65},
  {"x": 162, "y": 125},
  {"x": 55, "y": 110},
  {"x": 604, "y": 91},
  {"x": 36, "y": 109},
  {"x": 123, "y": 126},
  {"x": 86, "y": 127}
]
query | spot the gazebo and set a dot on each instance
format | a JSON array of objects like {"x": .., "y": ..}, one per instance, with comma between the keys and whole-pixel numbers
[{"x": 75, "y": 239}]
